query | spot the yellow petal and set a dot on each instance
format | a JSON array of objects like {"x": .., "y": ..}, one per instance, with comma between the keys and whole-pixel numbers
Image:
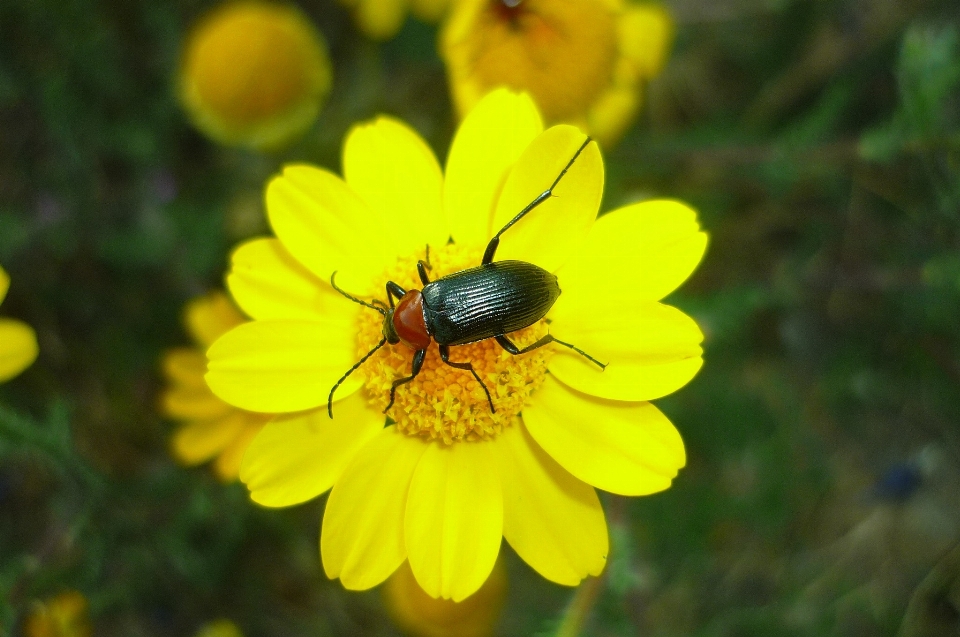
[
  {"x": 429, "y": 10},
  {"x": 270, "y": 284},
  {"x": 219, "y": 628},
  {"x": 361, "y": 541},
  {"x": 645, "y": 251},
  {"x": 227, "y": 464},
  {"x": 381, "y": 19},
  {"x": 487, "y": 144},
  {"x": 193, "y": 403},
  {"x": 552, "y": 232},
  {"x": 185, "y": 366},
  {"x": 454, "y": 519},
  {"x": 645, "y": 35},
  {"x": 281, "y": 366},
  {"x": 395, "y": 172},
  {"x": 18, "y": 348},
  {"x": 65, "y": 615},
  {"x": 417, "y": 614},
  {"x": 197, "y": 442},
  {"x": 299, "y": 456},
  {"x": 552, "y": 520},
  {"x": 650, "y": 349},
  {"x": 325, "y": 226},
  {"x": 210, "y": 316},
  {"x": 4, "y": 284},
  {"x": 620, "y": 447},
  {"x": 612, "y": 113}
]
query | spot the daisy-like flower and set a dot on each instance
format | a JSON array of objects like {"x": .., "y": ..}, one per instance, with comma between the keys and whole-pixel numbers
[
  {"x": 211, "y": 428},
  {"x": 584, "y": 61},
  {"x": 18, "y": 341},
  {"x": 64, "y": 615},
  {"x": 381, "y": 19},
  {"x": 254, "y": 74},
  {"x": 219, "y": 628},
  {"x": 442, "y": 485},
  {"x": 419, "y": 615}
]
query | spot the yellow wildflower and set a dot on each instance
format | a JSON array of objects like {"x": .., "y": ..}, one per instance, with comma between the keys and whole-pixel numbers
[
  {"x": 219, "y": 628},
  {"x": 254, "y": 74},
  {"x": 584, "y": 61},
  {"x": 420, "y": 615},
  {"x": 381, "y": 19},
  {"x": 62, "y": 616},
  {"x": 211, "y": 427},
  {"x": 443, "y": 485},
  {"x": 18, "y": 341}
]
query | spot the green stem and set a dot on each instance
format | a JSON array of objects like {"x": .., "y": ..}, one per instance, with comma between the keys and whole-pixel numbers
[
  {"x": 578, "y": 612},
  {"x": 580, "y": 606}
]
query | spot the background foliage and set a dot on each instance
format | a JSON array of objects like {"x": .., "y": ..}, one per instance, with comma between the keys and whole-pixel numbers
[{"x": 820, "y": 140}]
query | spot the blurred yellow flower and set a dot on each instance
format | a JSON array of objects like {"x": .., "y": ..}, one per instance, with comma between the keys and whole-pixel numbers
[
  {"x": 18, "y": 341},
  {"x": 254, "y": 74},
  {"x": 219, "y": 628},
  {"x": 65, "y": 615},
  {"x": 584, "y": 61},
  {"x": 419, "y": 615},
  {"x": 443, "y": 485},
  {"x": 211, "y": 427},
  {"x": 381, "y": 19}
]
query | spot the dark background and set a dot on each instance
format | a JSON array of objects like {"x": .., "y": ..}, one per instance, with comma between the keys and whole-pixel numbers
[{"x": 820, "y": 141}]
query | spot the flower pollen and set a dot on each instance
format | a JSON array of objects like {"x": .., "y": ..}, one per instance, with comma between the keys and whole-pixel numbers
[{"x": 444, "y": 403}]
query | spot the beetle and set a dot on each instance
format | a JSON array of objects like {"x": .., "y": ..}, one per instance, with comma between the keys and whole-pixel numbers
[{"x": 487, "y": 301}]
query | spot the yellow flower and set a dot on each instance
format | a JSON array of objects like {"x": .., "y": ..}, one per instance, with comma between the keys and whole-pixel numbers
[
  {"x": 211, "y": 428},
  {"x": 62, "y": 616},
  {"x": 441, "y": 486},
  {"x": 18, "y": 341},
  {"x": 420, "y": 615},
  {"x": 219, "y": 628},
  {"x": 584, "y": 61},
  {"x": 381, "y": 19},
  {"x": 254, "y": 74}
]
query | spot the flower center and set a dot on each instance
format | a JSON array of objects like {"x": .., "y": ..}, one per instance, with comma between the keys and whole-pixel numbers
[
  {"x": 445, "y": 403},
  {"x": 508, "y": 10}
]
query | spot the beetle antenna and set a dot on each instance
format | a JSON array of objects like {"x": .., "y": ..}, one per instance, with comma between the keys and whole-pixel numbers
[
  {"x": 382, "y": 342},
  {"x": 491, "y": 250},
  {"x": 355, "y": 300},
  {"x": 563, "y": 172}
]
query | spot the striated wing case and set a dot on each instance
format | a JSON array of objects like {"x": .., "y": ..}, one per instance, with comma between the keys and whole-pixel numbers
[{"x": 486, "y": 301}]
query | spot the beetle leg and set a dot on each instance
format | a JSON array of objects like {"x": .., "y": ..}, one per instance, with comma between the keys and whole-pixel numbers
[
  {"x": 394, "y": 290},
  {"x": 422, "y": 271},
  {"x": 418, "y": 358},
  {"x": 491, "y": 250},
  {"x": 423, "y": 265},
  {"x": 506, "y": 344},
  {"x": 445, "y": 357}
]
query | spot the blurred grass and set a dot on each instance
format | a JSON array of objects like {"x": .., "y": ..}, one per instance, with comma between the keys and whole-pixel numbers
[{"x": 820, "y": 142}]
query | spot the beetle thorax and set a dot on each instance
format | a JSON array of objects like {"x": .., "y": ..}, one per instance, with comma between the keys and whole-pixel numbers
[
  {"x": 444, "y": 403},
  {"x": 409, "y": 323}
]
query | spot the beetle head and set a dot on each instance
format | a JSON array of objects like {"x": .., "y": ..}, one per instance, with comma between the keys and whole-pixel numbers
[{"x": 389, "y": 330}]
